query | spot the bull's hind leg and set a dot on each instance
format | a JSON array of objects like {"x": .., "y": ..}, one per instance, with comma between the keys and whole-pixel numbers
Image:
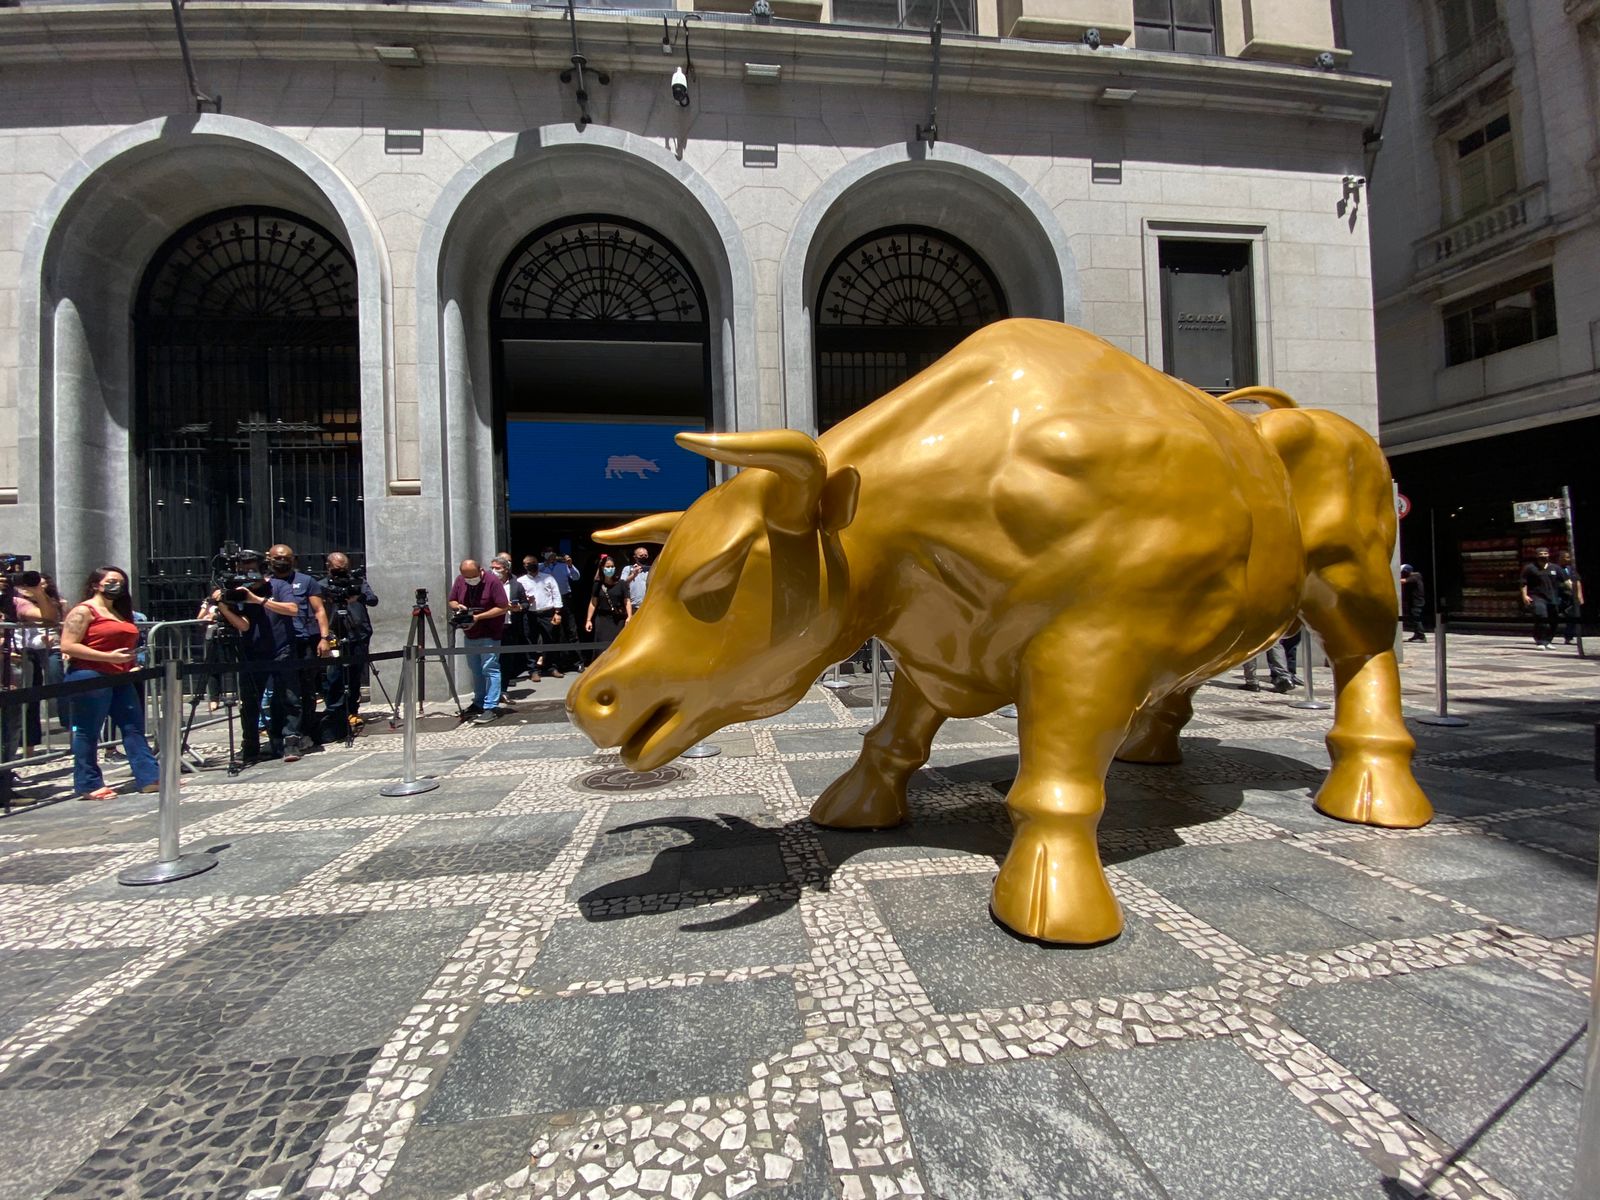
[
  {"x": 872, "y": 793},
  {"x": 1153, "y": 738},
  {"x": 1070, "y": 723},
  {"x": 1345, "y": 500},
  {"x": 1371, "y": 781}
]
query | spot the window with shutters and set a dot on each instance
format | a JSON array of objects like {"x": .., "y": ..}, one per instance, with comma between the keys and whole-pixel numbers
[
  {"x": 1185, "y": 26},
  {"x": 1486, "y": 165},
  {"x": 1502, "y": 318}
]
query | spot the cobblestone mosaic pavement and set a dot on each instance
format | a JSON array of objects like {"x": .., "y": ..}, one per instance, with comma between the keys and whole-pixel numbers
[{"x": 517, "y": 986}]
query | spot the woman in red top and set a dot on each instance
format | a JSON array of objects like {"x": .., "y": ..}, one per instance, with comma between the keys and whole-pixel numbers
[{"x": 98, "y": 638}]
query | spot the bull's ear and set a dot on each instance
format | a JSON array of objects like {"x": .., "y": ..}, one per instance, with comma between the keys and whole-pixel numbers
[
  {"x": 793, "y": 456},
  {"x": 645, "y": 529},
  {"x": 837, "y": 508}
]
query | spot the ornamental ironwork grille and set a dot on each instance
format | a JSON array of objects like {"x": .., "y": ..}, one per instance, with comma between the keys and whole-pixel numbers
[
  {"x": 248, "y": 415},
  {"x": 600, "y": 271},
  {"x": 890, "y": 305}
]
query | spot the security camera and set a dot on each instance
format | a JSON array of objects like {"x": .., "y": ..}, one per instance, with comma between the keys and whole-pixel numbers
[
  {"x": 680, "y": 87},
  {"x": 1091, "y": 38}
]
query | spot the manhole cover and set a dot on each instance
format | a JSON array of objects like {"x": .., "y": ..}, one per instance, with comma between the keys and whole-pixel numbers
[{"x": 620, "y": 779}]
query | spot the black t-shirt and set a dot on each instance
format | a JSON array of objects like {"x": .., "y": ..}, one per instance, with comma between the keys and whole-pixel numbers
[
  {"x": 611, "y": 598},
  {"x": 1411, "y": 588},
  {"x": 1543, "y": 582}
]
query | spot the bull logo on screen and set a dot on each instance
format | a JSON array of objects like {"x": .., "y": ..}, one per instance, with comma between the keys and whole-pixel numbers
[
  {"x": 1037, "y": 517},
  {"x": 619, "y": 465}
]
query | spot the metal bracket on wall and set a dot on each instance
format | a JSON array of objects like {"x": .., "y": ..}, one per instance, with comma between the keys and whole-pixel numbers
[
  {"x": 930, "y": 132},
  {"x": 199, "y": 97},
  {"x": 576, "y": 72}
]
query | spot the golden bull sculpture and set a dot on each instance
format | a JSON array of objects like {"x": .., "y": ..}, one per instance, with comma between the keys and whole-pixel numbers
[{"x": 1037, "y": 517}]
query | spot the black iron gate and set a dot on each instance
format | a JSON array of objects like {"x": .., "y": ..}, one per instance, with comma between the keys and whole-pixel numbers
[
  {"x": 249, "y": 417},
  {"x": 890, "y": 305}
]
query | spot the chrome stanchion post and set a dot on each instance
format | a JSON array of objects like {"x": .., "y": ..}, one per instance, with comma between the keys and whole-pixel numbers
[
  {"x": 875, "y": 658},
  {"x": 701, "y": 750},
  {"x": 409, "y": 784},
  {"x": 172, "y": 864},
  {"x": 1310, "y": 651},
  {"x": 833, "y": 679},
  {"x": 1441, "y": 683}
]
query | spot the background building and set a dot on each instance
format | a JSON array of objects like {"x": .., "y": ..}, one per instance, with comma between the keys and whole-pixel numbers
[
  {"x": 1486, "y": 247},
  {"x": 399, "y": 297}
]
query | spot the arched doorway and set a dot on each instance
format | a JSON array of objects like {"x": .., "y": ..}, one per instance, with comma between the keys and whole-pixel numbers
[
  {"x": 248, "y": 420},
  {"x": 601, "y": 353},
  {"x": 889, "y": 305}
]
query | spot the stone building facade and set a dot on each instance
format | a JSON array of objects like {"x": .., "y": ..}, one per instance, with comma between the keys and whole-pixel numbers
[
  {"x": 387, "y": 270},
  {"x": 1486, "y": 250}
]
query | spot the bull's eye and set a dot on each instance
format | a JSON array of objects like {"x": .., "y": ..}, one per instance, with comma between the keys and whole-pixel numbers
[{"x": 606, "y": 698}]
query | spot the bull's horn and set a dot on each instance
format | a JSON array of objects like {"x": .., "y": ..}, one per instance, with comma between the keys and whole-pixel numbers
[
  {"x": 793, "y": 456},
  {"x": 646, "y": 529},
  {"x": 1271, "y": 397}
]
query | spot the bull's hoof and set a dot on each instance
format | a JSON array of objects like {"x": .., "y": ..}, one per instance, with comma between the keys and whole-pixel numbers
[
  {"x": 1373, "y": 790},
  {"x": 859, "y": 799},
  {"x": 1155, "y": 747},
  {"x": 1051, "y": 887}
]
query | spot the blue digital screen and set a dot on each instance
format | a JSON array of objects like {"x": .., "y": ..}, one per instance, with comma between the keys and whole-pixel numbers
[{"x": 600, "y": 466}]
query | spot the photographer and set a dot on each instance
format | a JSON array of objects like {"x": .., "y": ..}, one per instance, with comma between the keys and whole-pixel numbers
[
  {"x": 274, "y": 617},
  {"x": 478, "y": 609},
  {"x": 347, "y": 596}
]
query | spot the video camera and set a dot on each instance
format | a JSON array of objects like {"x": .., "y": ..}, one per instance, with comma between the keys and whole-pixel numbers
[
  {"x": 234, "y": 582},
  {"x": 464, "y": 618},
  {"x": 13, "y": 575},
  {"x": 339, "y": 586}
]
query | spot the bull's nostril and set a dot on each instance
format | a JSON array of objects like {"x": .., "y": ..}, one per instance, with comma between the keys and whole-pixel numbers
[{"x": 606, "y": 698}]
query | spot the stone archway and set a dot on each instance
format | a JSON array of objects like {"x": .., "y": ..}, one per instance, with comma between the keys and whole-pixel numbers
[
  {"x": 960, "y": 193},
  {"x": 82, "y": 267},
  {"x": 517, "y": 185}
]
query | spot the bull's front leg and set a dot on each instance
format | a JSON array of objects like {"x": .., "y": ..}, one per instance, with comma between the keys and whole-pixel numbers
[
  {"x": 1070, "y": 723},
  {"x": 872, "y": 793}
]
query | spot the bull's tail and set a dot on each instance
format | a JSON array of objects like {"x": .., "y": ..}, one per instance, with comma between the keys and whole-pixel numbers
[{"x": 1271, "y": 397}]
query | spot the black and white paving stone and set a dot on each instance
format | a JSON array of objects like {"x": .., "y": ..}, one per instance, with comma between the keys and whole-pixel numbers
[{"x": 521, "y": 986}]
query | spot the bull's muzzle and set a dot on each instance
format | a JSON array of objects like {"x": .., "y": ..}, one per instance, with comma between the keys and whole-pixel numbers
[{"x": 611, "y": 714}]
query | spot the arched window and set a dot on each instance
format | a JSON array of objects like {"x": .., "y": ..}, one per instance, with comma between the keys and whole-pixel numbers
[
  {"x": 248, "y": 423},
  {"x": 602, "y": 352},
  {"x": 890, "y": 305}
]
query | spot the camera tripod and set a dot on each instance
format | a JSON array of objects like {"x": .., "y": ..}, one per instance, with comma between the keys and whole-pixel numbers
[
  {"x": 350, "y": 670},
  {"x": 221, "y": 649},
  {"x": 420, "y": 613}
]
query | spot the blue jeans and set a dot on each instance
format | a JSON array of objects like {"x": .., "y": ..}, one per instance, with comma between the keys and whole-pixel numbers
[
  {"x": 89, "y": 712},
  {"x": 485, "y": 671}
]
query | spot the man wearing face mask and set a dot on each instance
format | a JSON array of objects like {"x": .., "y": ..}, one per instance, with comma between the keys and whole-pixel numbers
[
  {"x": 511, "y": 665},
  {"x": 285, "y": 624},
  {"x": 566, "y": 575},
  {"x": 483, "y": 596},
  {"x": 637, "y": 577}
]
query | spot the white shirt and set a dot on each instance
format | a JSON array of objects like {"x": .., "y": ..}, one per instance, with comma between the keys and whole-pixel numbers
[
  {"x": 542, "y": 591},
  {"x": 638, "y": 580}
]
